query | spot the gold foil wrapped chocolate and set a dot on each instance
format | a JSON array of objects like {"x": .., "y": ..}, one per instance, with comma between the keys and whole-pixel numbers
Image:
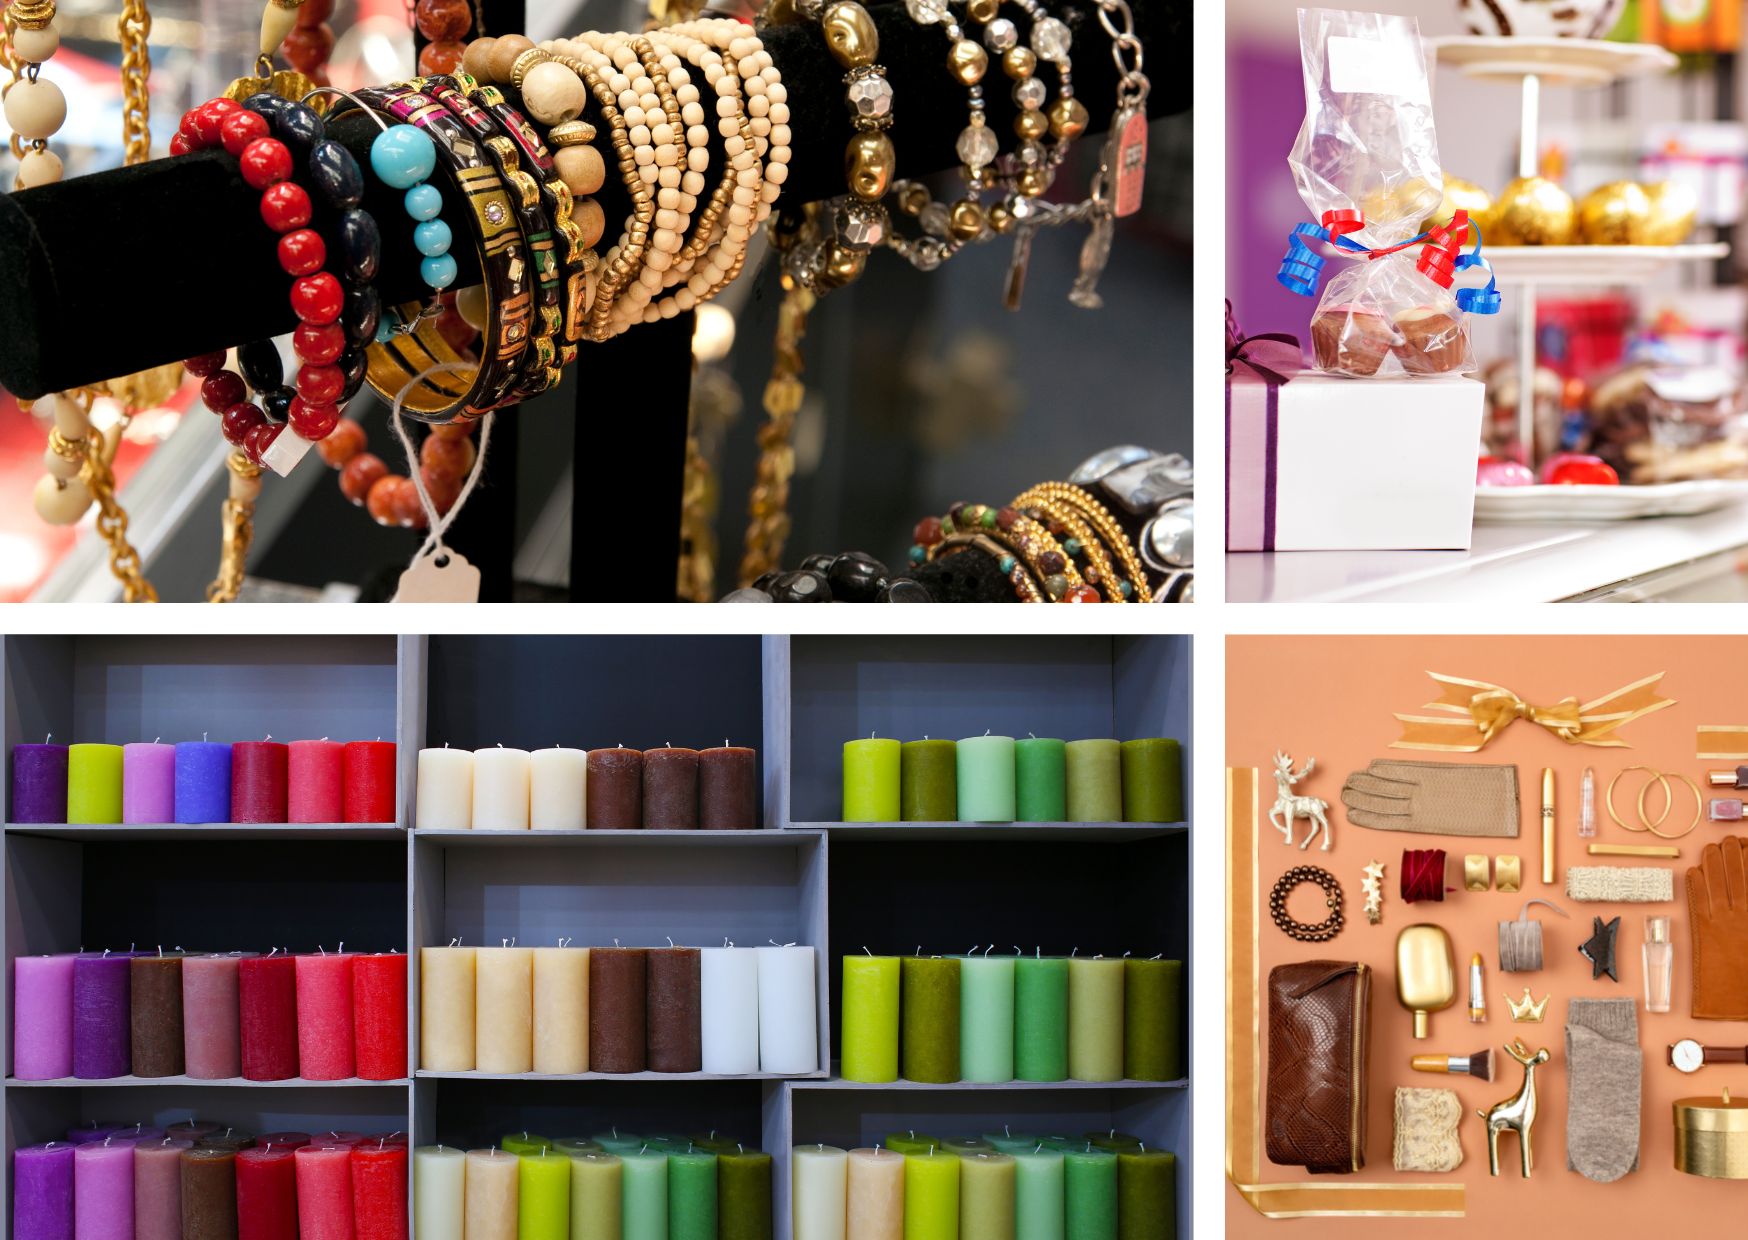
[
  {"x": 1461, "y": 195},
  {"x": 1614, "y": 214},
  {"x": 1532, "y": 211},
  {"x": 1673, "y": 209}
]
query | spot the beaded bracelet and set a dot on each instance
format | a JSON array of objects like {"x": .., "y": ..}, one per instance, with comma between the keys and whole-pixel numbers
[
  {"x": 1324, "y": 930},
  {"x": 1104, "y": 524},
  {"x": 1009, "y": 564},
  {"x": 1031, "y": 541},
  {"x": 1080, "y": 541}
]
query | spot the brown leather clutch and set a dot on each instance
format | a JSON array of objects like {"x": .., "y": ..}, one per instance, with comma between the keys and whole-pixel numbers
[{"x": 1319, "y": 1014}]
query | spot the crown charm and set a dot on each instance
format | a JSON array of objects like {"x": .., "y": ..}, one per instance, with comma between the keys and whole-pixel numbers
[{"x": 1528, "y": 1010}]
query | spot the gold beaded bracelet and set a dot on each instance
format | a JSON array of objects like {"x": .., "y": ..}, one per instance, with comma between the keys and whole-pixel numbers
[{"x": 1104, "y": 525}]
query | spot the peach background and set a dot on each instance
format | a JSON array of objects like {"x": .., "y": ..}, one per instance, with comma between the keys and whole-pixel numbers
[{"x": 1335, "y": 698}]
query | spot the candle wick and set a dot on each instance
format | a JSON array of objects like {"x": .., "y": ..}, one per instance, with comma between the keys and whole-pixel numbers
[
  {"x": 268, "y": 737},
  {"x": 1156, "y": 955},
  {"x": 1071, "y": 953},
  {"x": 1033, "y": 735},
  {"x": 48, "y": 737},
  {"x": 616, "y": 942},
  {"x": 156, "y": 739},
  {"x": 342, "y": 946},
  {"x": 866, "y": 952},
  {"x": 203, "y": 736},
  {"x": 1125, "y": 955}
]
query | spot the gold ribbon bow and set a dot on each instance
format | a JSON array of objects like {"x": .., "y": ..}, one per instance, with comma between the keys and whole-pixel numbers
[{"x": 1473, "y": 712}]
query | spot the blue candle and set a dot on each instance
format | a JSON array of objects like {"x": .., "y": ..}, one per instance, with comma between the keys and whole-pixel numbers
[{"x": 203, "y": 782}]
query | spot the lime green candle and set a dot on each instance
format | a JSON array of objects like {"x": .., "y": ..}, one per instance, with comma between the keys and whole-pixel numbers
[
  {"x": 1041, "y": 1018},
  {"x": 986, "y": 779},
  {"x": 1146, "y": 1195},
  {"x": 1095, "y": 1019},
  {"x": 911, "y": 1142},
  {"x": 93, "y": 783},
  {"x": 930, "y": 1015},
  {"x": 1153, "y": 780},
  {"x": 1152, "y": 1016},
  {"x": 931, "y": 1196},
  {"x": 986, "y": 1018},
  {"x": 871, "y": 782},
  {"x": 524, "y": 1143},
  {"x": 869, "y": 1051},
  {"x": 1041, "y": 780},
  {"x": 1090, "y": 1194},
  {"x": 644, "y": 1195},
  {"x": 743, "y": 1195},
  {"x": 1095, "y": 781},
  {"x": 692, "y": 1196},
  {"x": 963, "y": 1146},
  {"x": 986, "y": 1197},
  {"x": 1009, "y": 1142},
  {"x": 929, "y": 781},
  {"x": 1038, "y": 1195},
  {"x": 597, "y": 1196},
  {"x": 543, "y": 1210}
]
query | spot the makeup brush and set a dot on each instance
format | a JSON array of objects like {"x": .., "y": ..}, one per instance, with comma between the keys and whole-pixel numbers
[{"x": 1479, "y": 1065}]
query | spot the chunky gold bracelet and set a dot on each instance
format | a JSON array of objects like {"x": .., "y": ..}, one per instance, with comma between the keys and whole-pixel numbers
[
  {"x": 1107, "y": 526},
  {"x": 1079, "y": 539}
]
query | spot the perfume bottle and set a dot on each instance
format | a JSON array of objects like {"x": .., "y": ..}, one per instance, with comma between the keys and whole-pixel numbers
[
  {"x": 1587, "y": 806},
  {"x": 1659, "y": 964}
]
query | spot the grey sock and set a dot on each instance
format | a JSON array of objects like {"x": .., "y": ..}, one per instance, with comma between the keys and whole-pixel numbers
[{"x": 1603, "y": 1067}]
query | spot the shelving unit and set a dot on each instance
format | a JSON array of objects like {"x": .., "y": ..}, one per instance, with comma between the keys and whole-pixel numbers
[{"x": 802, "y": 878}]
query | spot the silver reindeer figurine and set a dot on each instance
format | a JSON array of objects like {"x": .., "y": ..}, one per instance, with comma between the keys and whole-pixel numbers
[
  {"x": 1289, "y": 806},
  {"x": 1516, "y": 1113}
]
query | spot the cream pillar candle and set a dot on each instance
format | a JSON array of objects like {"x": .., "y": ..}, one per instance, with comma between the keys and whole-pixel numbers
[
  {"x": 446, "y": 1008},
  {"x": 500, "y": 789},
  {"x": 556, "y": 789},
  {"x": 444, "y": 801},
  {"x": 819, "y": 1192},
  {"x": 728, "y": 1003},
  {"x": 493, "y": 1194},
  {"x": 876, "y": 1195},
  {"x": 561, "y": 1010},
  {"x": 788, "y": 1018},
  {"x": 503, "y": 1009},
  {"x": 439, "y": 1192}
]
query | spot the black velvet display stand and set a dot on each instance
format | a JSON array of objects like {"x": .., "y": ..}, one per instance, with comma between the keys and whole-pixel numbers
[{"x": 114, "y": 272}]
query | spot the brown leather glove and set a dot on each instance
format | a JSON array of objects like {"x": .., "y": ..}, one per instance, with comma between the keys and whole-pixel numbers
[{"x": 1717, "y": 905}]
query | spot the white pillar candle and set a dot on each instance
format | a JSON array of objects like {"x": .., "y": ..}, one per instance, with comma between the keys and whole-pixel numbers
[
  {"x": 444, "y": 801},
  {"x": 728, "y": 1005},
  {"x": 561, "y": 1010},
  {"x": 500, "y": 789},
  {"x": 557, "y": 780},
  {"x": 504, "y": 1009},
  {"x": 446, "y": 1006},
  {"x": 439, "y": 1192},
  {"x": 819, "y": 1192},
  {"x": 788, "y": 1020}
]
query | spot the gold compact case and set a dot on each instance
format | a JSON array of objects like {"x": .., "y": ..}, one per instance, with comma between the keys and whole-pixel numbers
[
  {"x": 1426, "y": 973},
  {"x": 1711, "y": 1137}
]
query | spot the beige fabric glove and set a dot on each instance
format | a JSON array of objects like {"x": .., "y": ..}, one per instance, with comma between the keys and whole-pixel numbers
[{"x": 1434, "y": 798}]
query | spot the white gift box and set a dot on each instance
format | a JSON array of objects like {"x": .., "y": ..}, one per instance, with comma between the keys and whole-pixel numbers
[{"x": 1320, "y": 463}]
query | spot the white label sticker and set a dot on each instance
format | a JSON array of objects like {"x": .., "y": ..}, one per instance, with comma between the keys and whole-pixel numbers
[
  {"x": 1367, "y": 67},
  {"x": 445, "y": 577}
]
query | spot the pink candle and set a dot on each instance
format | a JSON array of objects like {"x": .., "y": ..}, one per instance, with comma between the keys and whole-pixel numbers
[
  {"x": 313, "y": 776},
  {"x": 212, "y": 1043},
  {"x": 148, "y": 783},
  {"x": 42, "y": 1017},
  {"x": 158, "y": 1188},
  {"x": 324, "y": 1018},
  {"x": 324, "y": 1192},
  {"x": 103, "y": 1190}
]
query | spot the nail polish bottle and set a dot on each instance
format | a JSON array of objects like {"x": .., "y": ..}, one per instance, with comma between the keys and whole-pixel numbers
[
  {"x": 1659, "y": 964},
  {"x": 1724, "y": 809}
]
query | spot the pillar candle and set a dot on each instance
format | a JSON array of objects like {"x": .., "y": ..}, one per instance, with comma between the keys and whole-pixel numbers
[
  {"x": 643, "y": 1195},
  {"x": 670, "y": 789},
  {"x": 210, "y": 1030},
  {"x": 673, "y": 1008},
  {"x": 267, "y": 1017},
  {"x": 444, "y": 801},
  {"x": 446, "y": 1008},
  {"x": 94, "y": 783},
  {"x": 155, "y": 1014},
  {"x": 930, "y": 1012},
  {"x": 1153, "y": 780},
  {"x": 368, "y": 793},
  {"x": 986, "y": 1018},
  {"x": 379, "y": 1015},
  {"x": 561, "y": 1010},
  {"x": 203, "y": 782},
  {"x": 493, "y": 1183},
  {"x": 324, "y": 1192},
  {"x": 1041, "y": 1018},
  {"x": 439, "y": 1192},
  {"x": 232, "y": 1139},
  {"x": 314, "y": 773},
  {"x": 1095, "y": 1019},
  {"x": 576, "y": 1145},
  {"x": 379, "y": 1191},
  {"x": 148, "y": 783},
  {"x": 618, "y": 1009},
  {"x": 1039, "y": 1201},
  {"x": 1146, "y": 1195},
  {"x": 42, "y": 1192},
  {"x": 964, "y": 1146},
  {"x": 158, "y": 1188},
  {"x": 1114, "y": 1141},
  {"x": 258, "y": 781},
  {"x": 39, "y": 783},
  {"x": 336, "y": 1136},
  {"x": 869, "y": 1045},
  {"x": 42, "y": 1017},
  {"x": 283, "y": 1140},
  {"x": 875, "y": 1195},
  {"x": 986, "y": 779},
  {"x": 101, "y": 1023},
  {"x": 871, "y": 780},
  {"x": 209, "y": 1194},
  {"x": 692, "y": 1213},
  {"x": 103, "y": 1190},
  {"x": 503, "y": 1023},
  {"x": 543, "y": 1189},
  {"x": 728, "y": 789},
  {"x": 728, "y": 1000},
  {"x": 819, "y": 1188},
  {"x": 618, "y": 1141},
  {"x": 597, "y": 1195},
  {"x": 911, "y": 1141},
  {"x": 1095, "y": 781},
  {"x": 191, "y": 1130},
  {"x": 931, "y": 1196},
  {"x": 615, "y": 789},
  {"x": 1040, "y": 780},
  {"x": 788, "y": 1016},
  {"x": 557, "y": 780},
  {"x": 500, "y": 789},
  {"x": 743, "y": 1194},
  {"x": 266, "y": 1194},
  {"x": 525, "y": 1142},
  {"x": 1152, "y": 1015},
  {"x": 986, "y": 1197},
  {"x": 928, "y": 781},
  {"x": 1090, "y": 1194},
  {"x": 325, "y": 1050},
  {"x": 1009, "y": 1142}
]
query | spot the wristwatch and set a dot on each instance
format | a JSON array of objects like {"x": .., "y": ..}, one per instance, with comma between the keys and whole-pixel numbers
[{"x": 1688, "y": 1055}]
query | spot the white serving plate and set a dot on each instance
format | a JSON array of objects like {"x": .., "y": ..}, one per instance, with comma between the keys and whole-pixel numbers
[
  {"x": 1605, "y": 503},
  {"x": 1564, "y": 62}
]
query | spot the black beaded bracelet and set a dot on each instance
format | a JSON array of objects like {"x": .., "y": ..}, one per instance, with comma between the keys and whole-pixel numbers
[{"x": 1324, "y": 930}]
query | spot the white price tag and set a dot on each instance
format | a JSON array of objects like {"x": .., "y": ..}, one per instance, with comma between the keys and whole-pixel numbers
[
  {"x": 443, "y": 577},
  {"x": 1367, "y": 67}
]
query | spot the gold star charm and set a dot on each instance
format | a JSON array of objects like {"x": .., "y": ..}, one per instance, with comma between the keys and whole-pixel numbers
[
  {"x": 1528, "y": 1010},
  {"x": 1373, "y": 886}
]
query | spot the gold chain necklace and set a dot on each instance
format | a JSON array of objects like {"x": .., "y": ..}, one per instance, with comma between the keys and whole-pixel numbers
[{"x": 768, "y": 503}]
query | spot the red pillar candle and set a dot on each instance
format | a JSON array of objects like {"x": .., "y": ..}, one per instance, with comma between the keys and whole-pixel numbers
[
  {"x": 370, "y": 781},
  {"x": 379, "y": 1015},
  {"x": 324, "y": 1017},
  {"x": 614, "y": 789},
  {"x": 267, "y": 1194},
  {"x": 324, "y": 1192},
  {"x": 282, "y": 1140},
  {"x": 379, "y": 1191},
  {"x": 258, "y": 773},
  {"x": 313, "y": 779},
  {"x": 670, "y": 788},
  {"x": 728, "y": 787},
  {"x": 267, "y": 1010},
  {"x": 336, "y": 1137}
]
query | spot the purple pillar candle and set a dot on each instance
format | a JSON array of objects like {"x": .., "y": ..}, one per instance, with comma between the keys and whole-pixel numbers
[
  {"x": 42, "y": 1017},
  {"x": 103, "y": 1190},
  {"x": 42, "y": 1192},
  {"x": 39, "y": 783},
  {"x": 148, "y": 783},
  {"x": 203, "y": 782},
  {"x": 136, "y": 1133},
  {"x": 101, "y": 1015},
  {"x": 86, "y": 1133}
]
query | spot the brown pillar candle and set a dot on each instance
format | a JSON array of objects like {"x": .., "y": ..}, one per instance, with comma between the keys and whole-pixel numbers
[
  {"x": 674, "y": 1034},
  {"x": 209, "y": 1194},
  {"x": 232, "y": 1139},
  {"x": 728, "y": 781},
  {"x": 670, "y": 789},
  {"x": 617, "y": 1007},
  {"x": 155, "y": 1014},
  {"x": 614, "y": 789}
]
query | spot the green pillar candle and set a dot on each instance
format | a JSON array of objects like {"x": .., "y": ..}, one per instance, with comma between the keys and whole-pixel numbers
[
  {"x": 931, "y": 1196},
  {"x": 644, "y": 1195},
  {"x": 1095, "y": 781},
  {"x": 929, "y": 781},
  {"x": 911, "y": 1142},
  {"x": 986, "y": 779},
  {"x": 93, "y": 783},
  {"x": 1115, "y": 1141},
  {"x": 616, "y": 1142},
  {"x": 524, "y": 1143},
  {"x": 986, "y": 1018},
  {"x": 1041, "y": 1018},
  {"x": 543, "y": 1209},
  {"x": 1152, "y": 999},
  {"x": 597, "y": 1196},
  {"x": 967, "y": 1145},
  {"x": 1038, "y": 1195},
  {"x": 1009, "y": 1142},
  {"x": 1090, "y": 1194},
  {"x": 986, "y": 1197},
  {"x": 692, "y": 1196},
  {"x": 1095, "y": 1019},
  {"x": 1146, "y": 1195},
  {"x": 715, "y": 1143},
  {"x": 575, "y": 1145},
  {"x": 930, "y": 1012},
  {"x": 743, "y": 1195},
  {"x": 1153, "y": 780},
  {"x": 869, "y": 1051},
  {"x": 1063, "y": 1142},
  {"x": 1041, "y": 780},
  {"x": 871, "y": 780}
]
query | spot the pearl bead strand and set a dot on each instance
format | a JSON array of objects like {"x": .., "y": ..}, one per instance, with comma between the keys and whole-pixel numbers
[{"x": 35, "y": 108}]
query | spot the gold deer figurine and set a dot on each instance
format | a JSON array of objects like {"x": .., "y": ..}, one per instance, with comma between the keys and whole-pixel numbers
[{"x": 1517, "y": 1112}]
